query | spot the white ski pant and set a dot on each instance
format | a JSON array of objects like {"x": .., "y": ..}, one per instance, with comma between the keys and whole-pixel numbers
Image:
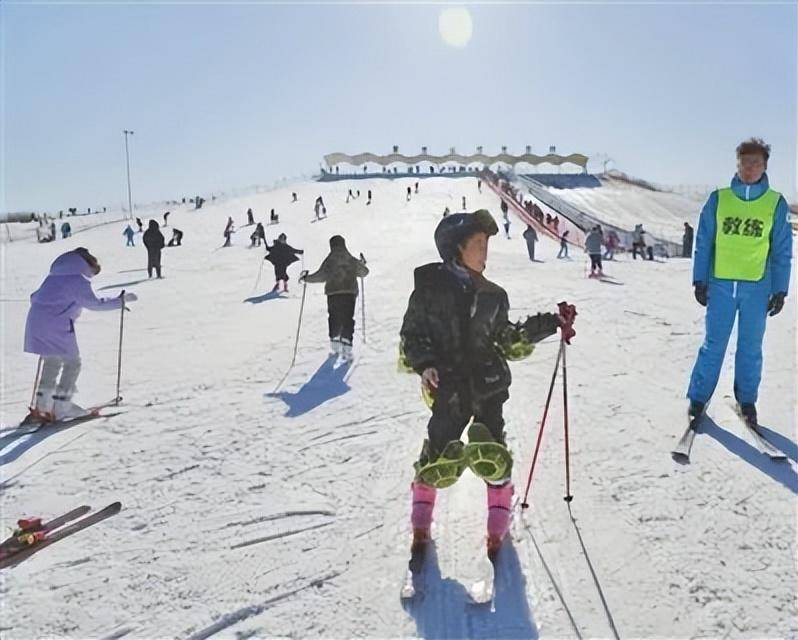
[{"x": 49, "y": 381}]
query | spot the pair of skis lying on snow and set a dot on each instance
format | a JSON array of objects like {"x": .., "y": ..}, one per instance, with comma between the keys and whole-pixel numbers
[
  {"x": 32, "y": 535},
  {"x": 681, "y": 453}
]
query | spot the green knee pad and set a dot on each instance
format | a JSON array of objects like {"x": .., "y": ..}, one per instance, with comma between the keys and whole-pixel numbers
[
  {"x": 487, "y": 458},
  {"x": 445, "y": 470}
]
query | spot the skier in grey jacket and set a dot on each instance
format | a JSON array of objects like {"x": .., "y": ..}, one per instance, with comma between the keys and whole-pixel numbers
[
  {"x": 339, "y": 272},
  {"x": 593, "y": 242}
]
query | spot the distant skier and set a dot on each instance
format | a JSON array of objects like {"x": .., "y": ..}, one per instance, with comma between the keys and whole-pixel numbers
[
  {"x": 593, "y": 249},
  {"x": 154, "y": 241},
  {"x": 368, "y": 198},
  {"x": 612, "y": 243},
  {"x": 416, "y": 186},
  {"x": 741, "y": 270},
  {"x": 506, "y": 217},
  {"x": 259, "y": 235},
  {"x": 639, "y": 242},
  {"x": 177, "y": 238},
  {"x": 166, "y": 218},
  {"x": 563, "y": 253},
  {"x": 129, "y": 233},
  {"x": 140, "y": 224},
  {"x": 409, "y": 191},
  {"x": 229, "y": 230},
  {"x": 319, "y": 209},
  {"x": 281, "y": 254},
  {"x": 464, "y": 203},
  {"x": 339, "y": 272},
  {"x": 50, "y": 331},
  {"x": 531, "y": 237},
  {"x": 66, "y": 230},
  {"x": 446, "y": 211},
  {"x": 349, "y": 196},
  {"x": 250, "y": 217},
  {"x": 457, "y": 336},
  {"x": 479, "y": 186},
  {"x": 293, "y": 197},
  {"x": 687, "y": 241},
  {"x": 274, "y": 218}
]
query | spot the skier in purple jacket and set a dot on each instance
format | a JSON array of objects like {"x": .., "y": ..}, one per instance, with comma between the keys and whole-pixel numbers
[{"x": 50, "y": 331}]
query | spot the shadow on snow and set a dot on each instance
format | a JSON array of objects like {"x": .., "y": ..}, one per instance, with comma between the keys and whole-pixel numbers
[{"x": 327, "y": 383}]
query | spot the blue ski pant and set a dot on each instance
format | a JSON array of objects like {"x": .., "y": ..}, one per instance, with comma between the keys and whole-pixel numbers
[{"x": 726, "y": 301}]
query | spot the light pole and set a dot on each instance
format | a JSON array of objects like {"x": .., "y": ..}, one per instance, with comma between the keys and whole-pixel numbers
[{"x": 127, "y": 160}]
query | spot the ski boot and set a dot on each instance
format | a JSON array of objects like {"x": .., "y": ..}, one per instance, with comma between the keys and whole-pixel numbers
[
  {"x": 346, "y": 350},
  {"x": 64, "y": 409},
  {"x": 747, "y": 411},
  {"x": 695, "y": 410},
  {"x": 42, "y": 410},
  {"x": 421, "y": 516},
  {"x": 499, "y": 511}
]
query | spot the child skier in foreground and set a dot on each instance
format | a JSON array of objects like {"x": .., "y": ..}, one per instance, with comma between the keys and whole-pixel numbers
[
  {"x": 50, "y": 331},
  {"x": 456, "y": 335}
]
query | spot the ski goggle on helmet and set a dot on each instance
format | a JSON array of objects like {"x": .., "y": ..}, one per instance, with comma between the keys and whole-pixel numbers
[
  {"x": 90, "y": 259},
  {"x": 455, "y": 229}
]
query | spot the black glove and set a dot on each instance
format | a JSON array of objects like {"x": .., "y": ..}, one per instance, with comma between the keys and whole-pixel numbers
[
  {"x": 776, "y": 302},
  {"x": 700, "y": 293},
  {"x": 541, "y": 326}
]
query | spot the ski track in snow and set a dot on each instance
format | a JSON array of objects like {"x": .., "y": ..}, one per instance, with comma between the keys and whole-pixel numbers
[{"x": 250, "y": 511}]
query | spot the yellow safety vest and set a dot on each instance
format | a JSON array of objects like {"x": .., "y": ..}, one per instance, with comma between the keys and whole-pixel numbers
[{"x": 742, "y": 235}]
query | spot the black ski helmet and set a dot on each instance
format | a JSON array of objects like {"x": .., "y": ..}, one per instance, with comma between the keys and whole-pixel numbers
[{"x": 456, "y": 228}]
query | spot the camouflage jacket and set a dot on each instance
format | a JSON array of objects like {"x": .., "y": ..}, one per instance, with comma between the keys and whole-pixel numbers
[
  {"x": 339, "y": 273},
  {"x": 460, "y": 326}
]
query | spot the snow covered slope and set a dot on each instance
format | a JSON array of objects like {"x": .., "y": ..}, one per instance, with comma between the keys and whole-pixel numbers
[
  {"x": 624, "y": 204},
  {"x": 256, "y": 511}
]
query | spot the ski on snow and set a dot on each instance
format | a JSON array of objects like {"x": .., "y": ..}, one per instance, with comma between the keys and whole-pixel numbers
[
  {"x": 761, "y": 442},
  {"x": 681, "y": 452},
  {"x": 55, "y": 532}
]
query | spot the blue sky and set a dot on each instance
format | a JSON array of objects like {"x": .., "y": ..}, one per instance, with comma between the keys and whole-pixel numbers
[{"x": 227, "y": 95}]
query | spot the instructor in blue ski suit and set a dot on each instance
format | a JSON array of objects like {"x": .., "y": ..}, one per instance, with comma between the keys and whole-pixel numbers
[{"x": 741, "y": 268}]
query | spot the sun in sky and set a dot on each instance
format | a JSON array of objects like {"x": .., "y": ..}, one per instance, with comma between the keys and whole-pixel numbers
[{"x": 455, "y": 26}]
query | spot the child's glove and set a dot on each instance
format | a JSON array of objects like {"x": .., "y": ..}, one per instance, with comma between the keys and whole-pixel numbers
[{"x": 541, "y": 326}]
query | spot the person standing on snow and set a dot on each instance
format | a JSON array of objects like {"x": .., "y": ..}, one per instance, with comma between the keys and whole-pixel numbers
[
  {"x": 563, "y": 252},
  {"x": 50, "y": 331},
  {"x": 611, "y": 244},
  {"x": 409, "y": 191},
  {"x": 687, "y": 241},
  {"x": 531, "y": 237},
  {"x": 339, "y": 272},
  {"x": 741, "y": 270},
  {"x": 177, "y": 238},
  {"x": 368, "y": 198},
  {"x": 229, "y": 230},
  {"x": 140, "y": 224},
  {"x": 506, "y": 218},
  {"x": 457, "y": 336},
  {"x": 154, "y": 241},
  {"x": 593, "y": 249},
  {"x": 129, "y": 233},
  {"x": 281, "y": 254},
  {"x": 250, "y": 217}
]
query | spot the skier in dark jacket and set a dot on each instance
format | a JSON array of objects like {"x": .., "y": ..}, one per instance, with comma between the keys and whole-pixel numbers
[
  {"x": 457, "y": 336},
  {"x": 281, "y": 254},
  {"x": 687, "y": 241},
  {"x": 339, "y": 272},
  {"x": 153, "y": 240}
]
